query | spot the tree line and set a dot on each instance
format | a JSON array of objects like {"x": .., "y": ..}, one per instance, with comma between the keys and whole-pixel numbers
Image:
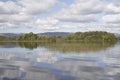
[{"x": 93, "y": 36}]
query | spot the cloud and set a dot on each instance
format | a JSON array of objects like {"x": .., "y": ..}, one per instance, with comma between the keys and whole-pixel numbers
[
  {"x": 27, "y": 6},
  {"x": 7, "y": 25},
  {"x": 76, "y": 18},
  {"x": 23, "y": 12},
  {"x": 15, "y": 20},
  {"x": 116, "y": 2},
  {"x": 111, "y": 8},
  {"x": 114, "y": 18},
  {"x": 87, "y": 7},
  {"x": 80, "y": 15},
  {"x": 20, "y": 17},
  {"x": 81, "y": 11},
  {"x": 3, "y": 18},
  {"x": 37, "y": 6},
  {"x": 9, "y": 7},
  {"x": 49, "y": 23}
]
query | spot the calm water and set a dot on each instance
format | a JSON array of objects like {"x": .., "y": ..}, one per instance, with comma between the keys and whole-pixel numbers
[{"x": 62, "y": 61}]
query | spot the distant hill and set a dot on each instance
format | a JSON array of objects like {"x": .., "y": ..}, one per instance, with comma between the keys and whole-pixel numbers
[
  {"x": 54, "y": 34},
  {"x": 10, "y": 34}
]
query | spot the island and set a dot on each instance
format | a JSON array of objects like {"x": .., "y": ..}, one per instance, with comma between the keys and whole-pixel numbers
[
  {"x": 95, "y": 40},
  {"x": 93, "y": 36}
]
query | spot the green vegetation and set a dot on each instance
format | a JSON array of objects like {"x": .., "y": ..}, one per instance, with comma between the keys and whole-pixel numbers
[
  {"x": 28, "y": 37},
  {"x": 91, "y": 37},
  {"x": 96, "y": 36},
  {"x": 5, "y": 38}
]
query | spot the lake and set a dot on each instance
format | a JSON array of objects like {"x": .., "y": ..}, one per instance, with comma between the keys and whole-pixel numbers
[{"x": 60, "y": 61}]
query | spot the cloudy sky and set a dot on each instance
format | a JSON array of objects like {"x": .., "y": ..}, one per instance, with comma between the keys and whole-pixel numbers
[{"x": 38, "y": 16}]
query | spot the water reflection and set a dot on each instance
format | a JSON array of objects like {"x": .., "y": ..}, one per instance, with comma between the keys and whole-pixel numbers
[
  {"x": 79, "y": 47},
  {"x": 63, "y": 47},
  {"x": 45, "y": 63}
]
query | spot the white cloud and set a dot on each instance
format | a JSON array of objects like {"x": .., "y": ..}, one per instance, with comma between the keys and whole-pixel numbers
[
  {"x": 87, "y": 7},
  {"x": 112, "y": 9},
  {"x": 37, "y": 6},
  {"x": 21, "y": 17},
  {"x": 27, "y": 6},
  {"x": 81, "y": 15},
  {"x": 4, "y": 18},
  {"x": 9, "y": 7},
  {"x": 19, "y": 13},
  {"x": 116, "y": 2},
  {"x": 76, "y": 18},
  {"x": 15, "y": 20},
  {"x": 7, "y": 25},
  {"x": 114, "y": 18},
  {"x": 81, "y": 11},
  {"x": 49, "y": 23}
]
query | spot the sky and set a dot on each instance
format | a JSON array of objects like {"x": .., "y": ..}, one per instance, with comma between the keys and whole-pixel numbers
[{"x": 38, "y": 16}]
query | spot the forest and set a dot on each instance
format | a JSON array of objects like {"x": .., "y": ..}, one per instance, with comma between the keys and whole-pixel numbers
[{"x": 93, "y": 36}]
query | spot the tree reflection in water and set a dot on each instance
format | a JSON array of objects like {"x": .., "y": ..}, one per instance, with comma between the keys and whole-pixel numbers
[{"x": 62, "y": 46}]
